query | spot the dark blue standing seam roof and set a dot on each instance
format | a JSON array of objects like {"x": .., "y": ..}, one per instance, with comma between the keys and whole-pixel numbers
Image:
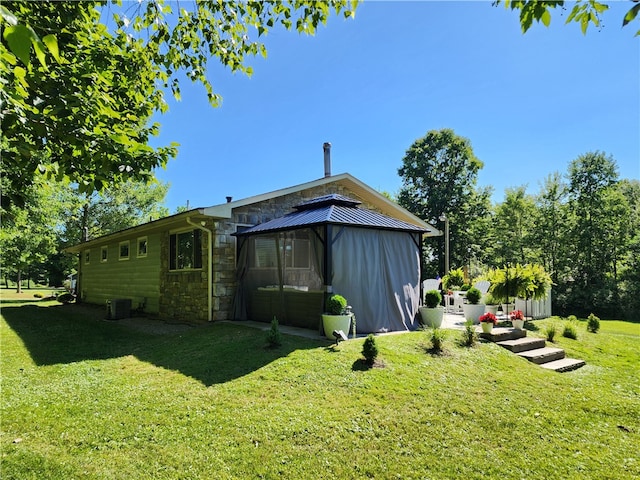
[{"x": 336, "y": 210}]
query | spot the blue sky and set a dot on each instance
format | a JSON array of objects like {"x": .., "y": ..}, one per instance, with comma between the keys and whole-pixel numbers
[{"x": 372, "y": 85}]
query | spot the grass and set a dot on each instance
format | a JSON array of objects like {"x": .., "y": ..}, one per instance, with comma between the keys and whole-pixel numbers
[{"x": 89, "y": 399}]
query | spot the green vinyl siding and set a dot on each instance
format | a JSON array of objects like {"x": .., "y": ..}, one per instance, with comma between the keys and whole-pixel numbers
[{"x": 137, "y": 278}]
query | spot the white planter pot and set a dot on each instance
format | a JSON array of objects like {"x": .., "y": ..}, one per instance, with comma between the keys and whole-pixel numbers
[
  {"x": 507, "y": 308},
  {"x": 335, "y": 322},
  {"x": 432, "y": 317},
  {"x": 491, "y": 309},
  {"x": 518, "y": 324},
  {"x": 473, "y": 312}
]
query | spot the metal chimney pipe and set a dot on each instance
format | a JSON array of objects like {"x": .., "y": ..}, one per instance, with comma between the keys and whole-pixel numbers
[
  {"x": 327, "y": 159},
  {"x": 229, "y": 199}
]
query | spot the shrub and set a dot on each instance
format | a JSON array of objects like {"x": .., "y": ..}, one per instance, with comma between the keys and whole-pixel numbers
[
  {"x": 455, "y": 278},
  {"x": 572, "y": 318},
  {"x": 593, "y": 323},
  {"x": 336, "y": 305},
  {"x": 436, "y": 336},
  {"x": 489, "y": 299},
  {"x": 432, "y": 298},
  {"x": 469, "y": 335},
  {"x": 551, "y": 331},
  {"x": 65, "y": 298},
  {"x": 274, "y": 338},
  {"x": 370, "y": 349},
  {"x": 570, "y": 331},
  {"x": 473, "y": 296},
  {"x": 38, "y": 295}
]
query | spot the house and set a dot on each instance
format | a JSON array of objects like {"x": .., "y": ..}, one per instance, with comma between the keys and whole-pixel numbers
[{"x": 163, "y": 266}]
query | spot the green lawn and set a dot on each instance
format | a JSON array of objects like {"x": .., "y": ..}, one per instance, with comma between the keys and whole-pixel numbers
[{"x": 86, "y": 398}]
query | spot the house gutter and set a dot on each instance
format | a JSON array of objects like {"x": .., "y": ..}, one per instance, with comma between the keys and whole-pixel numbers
[{"x": 209, "y": 266}]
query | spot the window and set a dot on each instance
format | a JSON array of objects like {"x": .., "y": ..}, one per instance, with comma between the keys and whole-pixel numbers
[
  {"x": 296, "y": 252},
  {"x": 87, "y": 256},
  {"x": 103, "y": 254},
  {"x": 142, "y": 247},
  {"x": 124, "y": 251},
  {"x": 185, "y": 250}
]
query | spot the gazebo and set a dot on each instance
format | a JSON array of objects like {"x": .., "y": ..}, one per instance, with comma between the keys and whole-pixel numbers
[{"x": 289, "y": 265}]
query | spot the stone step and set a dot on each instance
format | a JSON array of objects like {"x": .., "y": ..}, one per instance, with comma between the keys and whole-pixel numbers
[
  {"x": 522, "y": 344},
  {"x": 564, "y": 365},
  {"x": 542, "y": 355},
  {"x": 501, "y": 334}
]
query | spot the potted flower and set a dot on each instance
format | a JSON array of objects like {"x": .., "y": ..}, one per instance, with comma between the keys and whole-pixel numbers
[
  {"x": 517, "y": 319},
  {"x": 473, "y": 308},
  {"x": 336, "y": 316},
  {"x": 487, "y": 321},
  {"x": 453, "y": 280},
  {"x": 432, "y": 313}
]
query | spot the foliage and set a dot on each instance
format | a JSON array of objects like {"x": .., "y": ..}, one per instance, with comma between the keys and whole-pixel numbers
[
  {"x": 550, "y": 332},
  {"x": 87, "y": 113},
  {"x": 593, "y": 323},
  {"x": 489, "y": 299},
  {"x": 65, "y": 297},
  {"x": 436, "y": 337},
  {"x": 455, "y": 278},
  {"x": 583, "y": 12},
  {"x": 570, "y": 331},
  {"x": 469, "y": 335},
  {"x": 488, "y": 318},
  {"x": 473, "y": 296},
  {"x": 523, "y": 281},
  {"x": 370, "y": 349},
  {"x": 274, "y": 337},
  {"x": 439, "y": 174},
  {"x": 336, "y": 305},
  {"x": 432, "y": 298},
  {"x": 516, "y": 315}
]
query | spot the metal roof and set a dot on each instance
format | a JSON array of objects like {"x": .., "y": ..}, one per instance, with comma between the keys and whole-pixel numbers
[{"x": 336, "y": 210}]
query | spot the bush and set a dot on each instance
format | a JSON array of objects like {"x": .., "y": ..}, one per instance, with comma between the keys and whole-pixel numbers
[
  {"x": 65, "y": 298},
  {"x": 570, "y": 331},
  {"x": 38, "y": 295},
  {"x": 432, "y": 298},
  {"x": 473, "y": 296},
  {"x": 455, "y": 278},
  {"x": 572, "y": 318},
  {"x": 274, "y": 338},
  {"x": 436, "y": 336},
  {"x": 336, "y": 305},
  {"x": 370, "y": 349},
  {"x": 551, "y": 331},
  {"x": 469, "y": 334},
  {"x": 593, "y": 323}
]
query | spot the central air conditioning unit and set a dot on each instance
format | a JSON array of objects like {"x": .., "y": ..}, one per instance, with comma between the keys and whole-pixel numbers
[{"x": 118, "y": 308}]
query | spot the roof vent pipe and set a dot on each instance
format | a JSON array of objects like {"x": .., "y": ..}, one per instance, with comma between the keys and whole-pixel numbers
[
  {"x": 229, "y": 199},
  {"x": 327, "y": 159}
]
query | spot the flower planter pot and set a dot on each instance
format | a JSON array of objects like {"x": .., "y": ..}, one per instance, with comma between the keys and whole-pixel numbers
[
  {"x": 507, "y": 308},
  {"x": 486, "y": 327},
  {"x": 432, "y": 317},
  {"x": 518, "y": 324},
  {"x": 491, "y": 309},
  {"x": 473, "y": 312},
  {"x": 335, "y": 322}
]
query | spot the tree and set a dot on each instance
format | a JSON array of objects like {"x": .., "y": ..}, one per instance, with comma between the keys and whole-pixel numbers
[
  {"x": 29, "y": 236},
  {"x": 592, "y": 179},
  {"x": 513, "y": 221},
  {"x": 86, "y": 113},
  {"x": 115, "y": 208},
  {"x": 439, "y": 174},
  {"x": 584, "y": 12}
]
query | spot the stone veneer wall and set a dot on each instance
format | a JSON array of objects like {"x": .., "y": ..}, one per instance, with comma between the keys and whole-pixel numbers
[{"x": 183, "y": 294}]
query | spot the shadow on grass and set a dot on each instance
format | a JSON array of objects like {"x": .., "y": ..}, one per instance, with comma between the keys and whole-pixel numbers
[{"x": 212, "y": 354}]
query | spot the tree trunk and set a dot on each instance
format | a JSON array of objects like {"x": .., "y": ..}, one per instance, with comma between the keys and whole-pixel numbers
[{"x": 19, "y": 282}]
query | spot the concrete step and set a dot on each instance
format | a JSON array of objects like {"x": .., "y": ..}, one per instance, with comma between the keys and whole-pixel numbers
[
  {"x": 542, "y": 355},
  {"x": 564, "y": 365},
  {"x": 522, "y": 344},
  {"x": 501, "y": 334}
]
